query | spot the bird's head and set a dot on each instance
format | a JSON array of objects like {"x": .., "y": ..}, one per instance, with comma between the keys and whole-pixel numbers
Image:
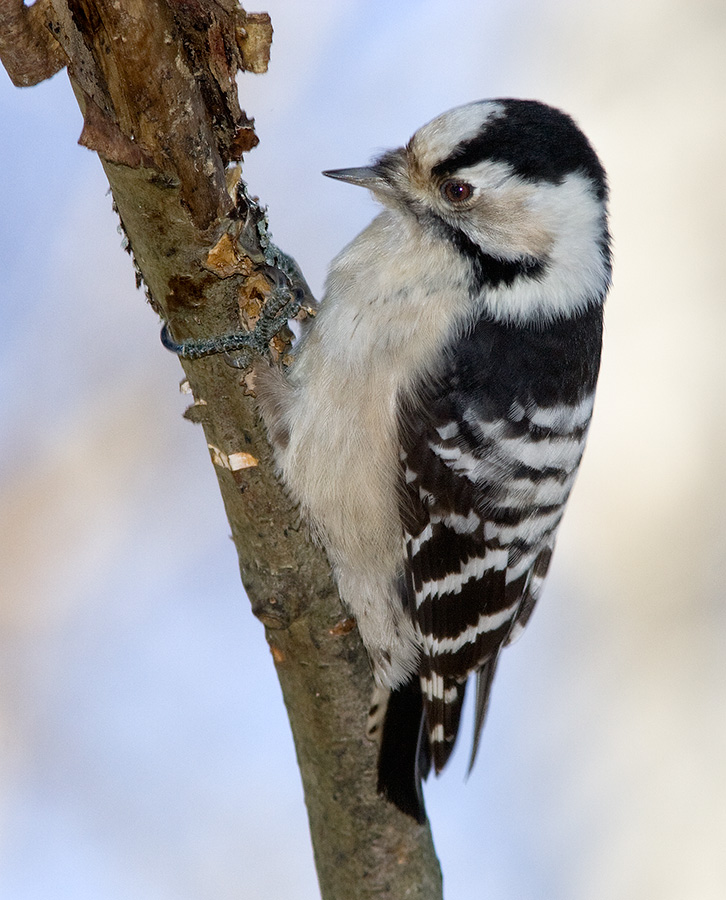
[{"x": 516, "y": 187}]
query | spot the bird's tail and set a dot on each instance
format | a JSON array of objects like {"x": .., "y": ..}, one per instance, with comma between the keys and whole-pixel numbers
[
  {"x": 404, "y": 759},
  {"x": 419, "y": 734}
]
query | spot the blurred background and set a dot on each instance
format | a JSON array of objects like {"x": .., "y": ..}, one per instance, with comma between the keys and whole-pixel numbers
[{"x": 144, "y": 749}]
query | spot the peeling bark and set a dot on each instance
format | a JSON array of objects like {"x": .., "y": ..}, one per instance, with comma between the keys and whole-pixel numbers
[
  {"x": 28, "y": 49},
  {"x": 155, "y": 80}
]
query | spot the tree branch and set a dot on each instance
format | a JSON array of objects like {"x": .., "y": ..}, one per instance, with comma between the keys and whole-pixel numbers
[
  {"x": 28, "y": 49},
  {"x": 155, "y": 82}
]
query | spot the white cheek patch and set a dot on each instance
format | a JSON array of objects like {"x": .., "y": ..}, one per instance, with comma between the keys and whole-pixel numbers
[
  {"x": 561, "y": 225},
  {"x": 575, "y": 271}
]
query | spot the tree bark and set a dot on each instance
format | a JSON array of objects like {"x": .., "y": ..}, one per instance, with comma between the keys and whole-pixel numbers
[{"x": 155, "y": 80}]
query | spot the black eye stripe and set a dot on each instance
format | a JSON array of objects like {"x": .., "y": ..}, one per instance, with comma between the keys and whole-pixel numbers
[{"x": 538, "y": 142}]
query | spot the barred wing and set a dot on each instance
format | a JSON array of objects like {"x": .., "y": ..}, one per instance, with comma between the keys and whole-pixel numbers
[{"x": 483, "y": 497}]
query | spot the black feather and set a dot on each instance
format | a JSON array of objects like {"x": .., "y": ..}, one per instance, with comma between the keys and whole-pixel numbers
[
  {"x": 538, "y": 142},
  {"x": 485, "y": 375},
  {"x": 404, "y": 759}
]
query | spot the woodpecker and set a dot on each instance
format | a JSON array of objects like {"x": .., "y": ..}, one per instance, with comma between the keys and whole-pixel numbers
[{"x": 434, "y": 416}]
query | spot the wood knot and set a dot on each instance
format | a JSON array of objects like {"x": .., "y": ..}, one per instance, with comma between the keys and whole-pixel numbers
[{"x": 271, "y": 613}]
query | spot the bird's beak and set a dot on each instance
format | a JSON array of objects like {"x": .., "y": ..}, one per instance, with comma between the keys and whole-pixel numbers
[{"x": 365, "y": 176}]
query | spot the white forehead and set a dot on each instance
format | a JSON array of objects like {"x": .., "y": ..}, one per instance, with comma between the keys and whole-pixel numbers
[{"x": 438, "y": 139}]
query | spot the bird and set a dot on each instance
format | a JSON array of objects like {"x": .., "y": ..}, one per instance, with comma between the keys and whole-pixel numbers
[{"x": 433, "y": 418}]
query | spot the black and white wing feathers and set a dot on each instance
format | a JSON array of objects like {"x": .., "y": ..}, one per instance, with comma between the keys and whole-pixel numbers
[{"x": 485, "y": 474}]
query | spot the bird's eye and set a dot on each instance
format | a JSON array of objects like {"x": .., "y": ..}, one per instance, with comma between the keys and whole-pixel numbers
[{"x": 456, "y": 191}]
